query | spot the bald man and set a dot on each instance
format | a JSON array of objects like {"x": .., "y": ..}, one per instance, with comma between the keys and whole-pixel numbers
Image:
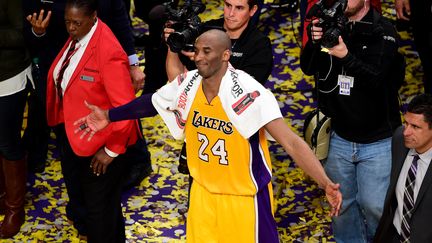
[{"x": 224, "y": 114}]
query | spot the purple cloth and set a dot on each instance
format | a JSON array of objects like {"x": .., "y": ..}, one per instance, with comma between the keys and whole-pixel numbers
[{"x": 137, "y": 108}]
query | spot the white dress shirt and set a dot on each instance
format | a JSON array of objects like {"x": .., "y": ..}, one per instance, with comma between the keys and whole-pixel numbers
[
  {"x": 16, "y": 83},
  {"x": 422, "y": 166},
  {"x": 74, "y": 60}
]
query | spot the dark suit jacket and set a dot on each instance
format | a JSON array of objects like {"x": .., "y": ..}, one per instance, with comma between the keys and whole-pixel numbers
[
  {"x": 422, "y": 215},
  {"x": 101, "y": 78}
]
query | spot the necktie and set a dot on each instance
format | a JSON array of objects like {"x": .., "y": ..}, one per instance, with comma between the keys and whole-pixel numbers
[
  {"x": 63, "y": 67},
  {"x": 408, "y": 201}
]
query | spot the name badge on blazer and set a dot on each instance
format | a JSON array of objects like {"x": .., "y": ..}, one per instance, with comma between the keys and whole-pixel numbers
[{"x": 87, "y": 78}]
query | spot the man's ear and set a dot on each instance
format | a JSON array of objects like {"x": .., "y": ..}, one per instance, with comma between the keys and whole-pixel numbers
[
  {"x": 94, "y": 15},
  {"x": 253, "y": 10},
  {"x": 226, "y": 55}
]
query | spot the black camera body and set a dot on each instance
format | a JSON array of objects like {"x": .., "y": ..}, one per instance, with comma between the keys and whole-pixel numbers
[
  {"x": 331, "y": 19},
  {"x": 186, "y": 24}
]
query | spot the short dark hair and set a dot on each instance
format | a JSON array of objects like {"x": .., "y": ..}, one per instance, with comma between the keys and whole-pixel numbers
[
  {"x": 251, "y": 3},
  {"x": 88, "y": 6},
  {"x": 422, "y": 105}
]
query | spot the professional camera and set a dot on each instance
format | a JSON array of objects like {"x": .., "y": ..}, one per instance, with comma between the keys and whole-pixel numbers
[
  {"x": 331, "y": 19},
  {"x": 186, "y": 25}
]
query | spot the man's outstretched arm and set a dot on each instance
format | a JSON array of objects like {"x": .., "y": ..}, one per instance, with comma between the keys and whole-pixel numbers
[
  {"x": 138, "y": 108},
  {"x": 98, "y": 119},
  {"x": 306, "y": 160}
]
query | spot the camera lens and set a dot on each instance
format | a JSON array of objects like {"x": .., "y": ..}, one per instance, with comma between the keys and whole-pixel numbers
[
  {"x": 176, "y": 41},
  {"x": 330, "y": 38}
]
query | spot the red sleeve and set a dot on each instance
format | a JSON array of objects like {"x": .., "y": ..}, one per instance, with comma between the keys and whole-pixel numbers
[
  {"x": 306, "y": 23},
  {"x": 118, "y": 87}
]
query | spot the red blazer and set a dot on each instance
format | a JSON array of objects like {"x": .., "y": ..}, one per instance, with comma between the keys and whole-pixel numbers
[{"x": 102, "y": 78}]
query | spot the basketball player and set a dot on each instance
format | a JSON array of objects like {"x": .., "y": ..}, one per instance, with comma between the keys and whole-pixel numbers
[{"x": 225, "y": 115}]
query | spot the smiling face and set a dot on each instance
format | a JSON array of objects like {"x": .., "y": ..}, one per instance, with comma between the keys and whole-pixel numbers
[
  {"x": 78, "y": 24},
  {"x": 417, "y": 133},
  {"x": 212, "y": 52}
]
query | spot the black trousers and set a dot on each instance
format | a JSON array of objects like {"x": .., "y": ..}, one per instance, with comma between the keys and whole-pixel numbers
[
  {"x": 94, "y": 201},
  {"x": 11, "y": 118},
  {"x": 37, "y": 131}
]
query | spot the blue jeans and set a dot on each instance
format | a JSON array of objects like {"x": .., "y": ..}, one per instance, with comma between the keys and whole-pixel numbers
[{"x": 363, "y": 171}]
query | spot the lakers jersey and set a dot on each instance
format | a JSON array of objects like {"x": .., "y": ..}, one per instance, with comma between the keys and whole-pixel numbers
[{"x": 219, "y": 158}]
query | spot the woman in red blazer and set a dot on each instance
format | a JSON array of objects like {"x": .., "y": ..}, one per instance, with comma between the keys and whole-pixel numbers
[{"x": 92, "y": 67}]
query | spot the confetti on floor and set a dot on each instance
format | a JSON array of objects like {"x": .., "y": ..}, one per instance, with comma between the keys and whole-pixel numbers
[{"x": 155, "y": 211}]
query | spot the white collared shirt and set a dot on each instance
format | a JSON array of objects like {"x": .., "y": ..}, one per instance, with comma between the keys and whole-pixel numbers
[
  {"x": 75, "y": 59},
  {"x": 422, "y": 166},
  {"x": 16, "y": 83}
]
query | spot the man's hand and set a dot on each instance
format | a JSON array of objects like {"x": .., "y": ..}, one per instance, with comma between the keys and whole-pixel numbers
[
  {"x": 100, "y": 162},
  {"x": 340, "y": 50},
  {"x": 403, "y": 9},
  {"x": 334, "y": 196},
  {"x": 315, "y": 31},
  {"x": 138, "y": 78},
  {"x": 95, "y": 121},
  {"x": 38, "y": 22},
  {"x": 190, "y": 54},
  {"x": 173, "y": 65},
  {"x": 167, "y": 31}
]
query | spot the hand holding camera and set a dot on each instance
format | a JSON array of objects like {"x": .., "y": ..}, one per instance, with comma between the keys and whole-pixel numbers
[
  {"x": 340, "y": 50},
  {"x": 188, "y": 52},
  {"x": 329, "y": 15},
  {"x": 316, "y": 33},
  {"x": 183, "y": 26}
]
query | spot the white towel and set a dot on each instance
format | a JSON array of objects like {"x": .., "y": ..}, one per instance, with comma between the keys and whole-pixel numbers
[{"x": 248, "y": 104}]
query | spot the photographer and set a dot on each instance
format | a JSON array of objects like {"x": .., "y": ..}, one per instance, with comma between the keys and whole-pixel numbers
[
  {"x": 357, "y": 83},
  {"x": 251, "y": 50}
]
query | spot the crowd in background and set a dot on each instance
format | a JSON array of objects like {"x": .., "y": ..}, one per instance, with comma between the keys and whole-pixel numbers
[{"x": 42, "y": 48}]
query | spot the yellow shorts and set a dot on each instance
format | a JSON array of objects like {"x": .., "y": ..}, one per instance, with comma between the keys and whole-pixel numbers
[{"x": 230, "y": 218}]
